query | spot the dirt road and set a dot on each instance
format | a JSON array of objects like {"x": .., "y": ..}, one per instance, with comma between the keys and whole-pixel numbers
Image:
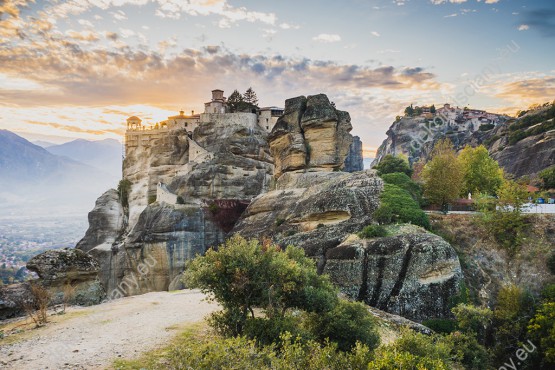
[{"x": 92, "y": 337}]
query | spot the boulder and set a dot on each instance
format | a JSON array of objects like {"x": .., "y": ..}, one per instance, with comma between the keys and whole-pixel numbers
[
  {"x": 60, "y": 268},
  {"x": 413, "y": 275}
]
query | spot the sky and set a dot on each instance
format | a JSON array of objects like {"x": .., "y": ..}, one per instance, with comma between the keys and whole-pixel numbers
[{"x": 78, "y": 69}]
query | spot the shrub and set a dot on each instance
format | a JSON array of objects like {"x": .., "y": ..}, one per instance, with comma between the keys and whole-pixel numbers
[
  {"x": 347, "y": 324},
  {"x": 319, "y": 226},
  {"x": 404, "y": 182},
  {"x": 280, "y": 221},
  {"x": 180, "y": 200},
  {"x": 548, "y": 178},
  {"x": 391, "y": 164},
  {"x": 151, "y": 199},
  {"x": 445, "y": 326},
  {"x": 397, "y": 205},
  {"x": 37, "y": 307},
  {"x": 551, "y": 263},
  {"x": 373, "y": 231},
  {"x": 124, "y": 188},
  {"x": 242, "y": 275},
  {"x": 486, "y": 127}
]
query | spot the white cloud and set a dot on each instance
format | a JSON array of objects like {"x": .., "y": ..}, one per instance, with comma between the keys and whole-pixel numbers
[
  {"x": 523, "y": 27},
  {"x": 439, "y": 2},
  {"x": 326, "y": 37},
  {"x": 119, "y": 15},
  {"x": 125, "y": 32},
  {"x": 375, "y": 33},
  {"x": 450, "y": 15},
  {"x": 84, "y": 22},
  {"x": 287, "y": 26},
  {"x": 492, "y": 1}
]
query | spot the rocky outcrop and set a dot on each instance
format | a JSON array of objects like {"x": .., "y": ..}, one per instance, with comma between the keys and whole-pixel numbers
[
  {"x": 70, "y": 275},
  {"x": 415, "y": 137},
  {"x": 311, "y": 134},
  {"x": 414, "y": 275},
  {"x": 354, "y": 161},
  {"x": 313, "y": 210},
  {"x": 215, "y": 172},
  {"x": 319, "y": 209},
  {"x": 106, "y": 222},
  {"x": 59, "y": 268}
]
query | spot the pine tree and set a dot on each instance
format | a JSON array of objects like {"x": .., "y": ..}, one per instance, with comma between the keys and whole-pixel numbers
[
  {"x": 234, "y": 100},
  {"x": 250, "y": 97}
]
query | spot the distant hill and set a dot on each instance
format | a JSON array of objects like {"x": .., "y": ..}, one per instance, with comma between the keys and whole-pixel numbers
[
  {"x": 33, "y": 178},
  {"x": 43, "y": 144},
  {"x": 105, "y": 155}
]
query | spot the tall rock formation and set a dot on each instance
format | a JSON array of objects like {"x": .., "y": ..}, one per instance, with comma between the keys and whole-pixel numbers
[
  {"x": 354, "y": 161},
  {"x": 214, "y": 173},
  {"x": 315, "y": 207}
]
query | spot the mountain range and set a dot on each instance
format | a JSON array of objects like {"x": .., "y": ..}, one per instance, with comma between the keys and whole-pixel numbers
[{"x": 55, "y": 180}]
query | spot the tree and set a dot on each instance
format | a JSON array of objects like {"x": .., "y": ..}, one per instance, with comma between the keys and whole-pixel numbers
[
  {"x": 417, "y": 111},
  {"x": 234, "y": 100},
  {"x": 409, "y": 111},
  {"x": 391, "y": 164},
  {"x": 548, "y": 178},
  {"x": 473, "y": 320},
  {"x": 433, "y": 109},
  {"x": 243, "y": 275},
  {"x": 481, "y": 173},
  {"x": 541, "y": 331},
  {"x": 442, "y": 175},
  {"x": 512, "y": 312},
  {"x": 512, "y": 196},
  {"x": 397, "y": 205},
  {"x": 124, "y": 188},
  {"x": 250, "y": 97}
]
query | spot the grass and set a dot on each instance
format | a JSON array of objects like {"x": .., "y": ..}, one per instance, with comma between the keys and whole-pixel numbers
[{"x": 157, "y": 358}]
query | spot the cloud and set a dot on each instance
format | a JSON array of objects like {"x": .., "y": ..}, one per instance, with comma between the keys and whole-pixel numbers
[
  {"x": 288, "y": 26},
  {"x": 528, "y": 90},
  {"x": 450, "y": 15},
  {"x": 439, "y": 2},
  {"x": 523, "y": 27},
  {"x": 492, "y": 1},
  {"x": 87, "y": 36},
  {"x": 542, "y": 20},
  {"x": 375, "y": 33},
  {"x": 327, "y": 38}
]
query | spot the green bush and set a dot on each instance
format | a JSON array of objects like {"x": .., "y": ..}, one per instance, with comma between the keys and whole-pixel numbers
[
  {"x": 551, "y": 263},
  {"x": 399, "y": 204},
  {"x": 180, "y": 200},
  {"x": 280, "y": 221},
  {"x": 124, "y": 188},
  {"x": 444, "y": 326},
  {"x": 486, "y": 127},
  {"x": 391, "y": 164},
  {"x": 373, "y": 231},
  {"x": 151, "y": 199},
  {"x": 548, "y": 178},
  {"x": 347, "y": 324},
  {"x": 243, "y": 275},
  {"x": 404, "y": 182}
]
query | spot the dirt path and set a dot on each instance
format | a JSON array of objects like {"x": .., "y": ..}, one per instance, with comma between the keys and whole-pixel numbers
[{"x": 92, "y": 337}]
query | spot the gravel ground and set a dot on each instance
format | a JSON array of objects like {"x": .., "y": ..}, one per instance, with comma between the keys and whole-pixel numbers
[{"x": 92, "y": 337}]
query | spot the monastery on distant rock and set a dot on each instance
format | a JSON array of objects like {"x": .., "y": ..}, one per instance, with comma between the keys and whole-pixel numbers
[{"x": 216, "y": 110}]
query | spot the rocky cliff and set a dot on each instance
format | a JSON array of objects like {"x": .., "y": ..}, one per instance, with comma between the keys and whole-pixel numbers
[
  {"x": 522, "y": 146},
  {"x": 215, "y": 172},
  {"x": 317, "y": 208}
]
